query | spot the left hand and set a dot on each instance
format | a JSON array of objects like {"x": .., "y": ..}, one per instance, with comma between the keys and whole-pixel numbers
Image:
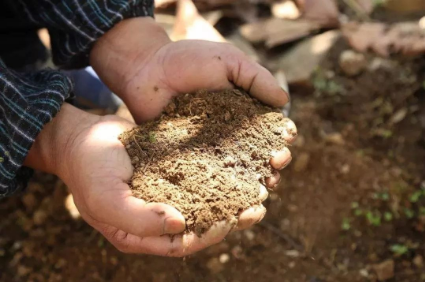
[{"x": 147, "y": 74}]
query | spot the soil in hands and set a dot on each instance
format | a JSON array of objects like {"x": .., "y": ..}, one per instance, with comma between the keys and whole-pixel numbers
[{"x": 207, "y": 155}]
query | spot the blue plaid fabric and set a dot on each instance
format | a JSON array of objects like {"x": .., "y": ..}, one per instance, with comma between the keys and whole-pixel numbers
[{"x": 30, "y": 100}]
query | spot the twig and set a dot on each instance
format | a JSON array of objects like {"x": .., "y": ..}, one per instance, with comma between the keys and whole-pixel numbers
[
  {"x": 281, "y": 235},
  {"x": 140, "y": 148}
]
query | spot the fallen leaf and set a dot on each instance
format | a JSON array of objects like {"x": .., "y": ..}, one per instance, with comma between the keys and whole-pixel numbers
[
  {"x": 285, "y": 10},
  {"x": 190, "y": 24},
  {"x": 323, "y": 12},
  {"x": 277, "y": 31},
  {"x": 402, "y": 38}
]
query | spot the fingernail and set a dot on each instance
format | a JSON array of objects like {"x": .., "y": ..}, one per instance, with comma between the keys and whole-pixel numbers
[{"x": 173, "y": 225}]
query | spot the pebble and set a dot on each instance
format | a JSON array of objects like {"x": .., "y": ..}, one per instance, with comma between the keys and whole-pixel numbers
[
  {"x": 292, "y": 264},
  {"x": 224, "y": 258},
  {"x": 214, "y": 265},
  {"x": 39, "y": 217},
  {"x": 335, "y": 138},
  {"x": 292, "y": 253},
  {"x": 384, "y": 270},
  {"x": 364, "y": 272},
  {"x": 352, "y": 63},
  {"x": 249, "y": 234},
  {"x": 30, "y": 201},
  {"x": 418, "y": 260}
]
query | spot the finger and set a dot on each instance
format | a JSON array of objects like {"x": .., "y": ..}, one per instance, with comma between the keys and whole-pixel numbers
[
  {"x": 289, "y": 132},
  {"x": 273, "y": 181},
  {"x": 254, "y": 78},
  {"x": 250, "y": 217},
  {"x": 281, "y": 159},
  {"x": 263, "y": 193},
  {"x": 177, "y": 246},
  {"x": 123, "y": 211}
]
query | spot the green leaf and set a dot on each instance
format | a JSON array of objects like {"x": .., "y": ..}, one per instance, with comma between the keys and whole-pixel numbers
[
  {"x": 152, "y": 137},
  {"x": 415, "y": 196},
  {"x": 373, "y": 218},
  {"x": 358, "y": 212},
  {"x": 409, "y": 213},
  {"x": 345, "y": 224},
  {"x": 388, "y": 216},
  {"x": 354, "y": 205},
  {"x": 399, "y": 249}
]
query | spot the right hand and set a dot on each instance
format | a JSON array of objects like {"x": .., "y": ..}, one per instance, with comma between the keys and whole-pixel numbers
[{"x": 97, "y": 168}]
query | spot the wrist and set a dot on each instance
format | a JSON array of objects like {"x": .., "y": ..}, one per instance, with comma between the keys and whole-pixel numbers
[
  {"x": 50, "y": 151},
  {"x": 124, "y": 50}
]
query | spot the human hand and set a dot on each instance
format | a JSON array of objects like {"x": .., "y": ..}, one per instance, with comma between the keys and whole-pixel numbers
[
  {"x": 147, "y": 74},
  {"x": 84, "y": 151}
]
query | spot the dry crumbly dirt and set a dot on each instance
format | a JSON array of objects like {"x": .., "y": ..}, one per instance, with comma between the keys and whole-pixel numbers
[{"x": 206, "y": 156}]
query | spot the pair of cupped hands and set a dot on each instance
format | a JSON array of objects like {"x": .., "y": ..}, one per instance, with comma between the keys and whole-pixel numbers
[{"x": 139, "y": 63}]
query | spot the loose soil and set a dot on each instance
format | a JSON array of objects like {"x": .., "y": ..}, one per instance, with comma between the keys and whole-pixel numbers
[{"x": 206, "y": 156}]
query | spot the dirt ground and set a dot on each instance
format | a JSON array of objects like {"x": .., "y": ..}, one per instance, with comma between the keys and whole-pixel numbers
[{"x": 353, "y": 197}]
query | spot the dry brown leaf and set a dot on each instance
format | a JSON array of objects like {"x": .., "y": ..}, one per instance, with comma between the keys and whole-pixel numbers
[
  {"x": 402, "y": 38},
  {"x": 277, "y": 31},
  {"x": 324, "y": 12},
  {"x": 285, "y": 9},
  {"x": 191, "y": 25}
]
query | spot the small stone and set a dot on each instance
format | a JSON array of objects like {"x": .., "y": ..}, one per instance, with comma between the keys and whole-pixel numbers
[
  {"x": 23, "y": 271},
  {"x": 170, "y": 108},
  {"x": 292, "y": 264},
  {"x": 418, "y": 260},
  {"x": 39, "y": 217},
  {"x": 214, "y": 265},
  {"x": 352, "y": 63},
  {"x": 335, "y": 138},
  {"x": 30, "y": 201},
  {"x": 384, "y": 270},
  {"x": 224, "y": 258},
  {"x": 114, "y": 260},
  {"x": 364, "y": 273},
  {"x": 292, "y": 253},
  {"x": 229, "y": 161},
  {"x": 345, "y": 169},
  {"x": 301, "y": 162},
  {"x": 237, "y": 252},
  {"x": 134, "y": 160},
  {"x": 61, "y": 263},
  {"x": 249, "y": 234}
]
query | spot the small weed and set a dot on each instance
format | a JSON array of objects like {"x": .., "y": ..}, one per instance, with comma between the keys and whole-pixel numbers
[
  {"x": 381, "y": 196},
  {"x": 152, "y": 137},
  {"x": 358, "y": 212},
  {"x": 409, "y": 213},
  {"x": 345, "y": 225},
  {"x": 374, "y": 218},
  {"x": 416, "y": 196},
  {"x": 399, "y": 250},
  {"x": 388, "y": 216}
]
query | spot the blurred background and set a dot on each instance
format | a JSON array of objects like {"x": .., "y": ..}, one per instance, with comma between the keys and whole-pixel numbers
[{"x": 350, "y": 207}]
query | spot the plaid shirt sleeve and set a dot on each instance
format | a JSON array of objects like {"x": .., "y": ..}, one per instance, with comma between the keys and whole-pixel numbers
[
  {"x": 30, "y": 100},
  {"x": 74, "y": 25}
]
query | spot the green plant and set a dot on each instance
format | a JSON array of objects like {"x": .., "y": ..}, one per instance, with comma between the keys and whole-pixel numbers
[
  {"x": 409, "y": 213},
  {"x": 416, "y": 196},
  {"x": 374, "y": 218},
  {"x": 399, "y": 250},
  {"x": 358, "y": 212},
  {"x": 152, "y": 137},
  {"x": 388, "y": 216},
  {"x": 345, "y": 225}
]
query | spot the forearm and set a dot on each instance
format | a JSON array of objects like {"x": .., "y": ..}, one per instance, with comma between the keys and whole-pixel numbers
[
  {"x": 123, "y": 51},
  {"x": 49, "y": 151}
]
